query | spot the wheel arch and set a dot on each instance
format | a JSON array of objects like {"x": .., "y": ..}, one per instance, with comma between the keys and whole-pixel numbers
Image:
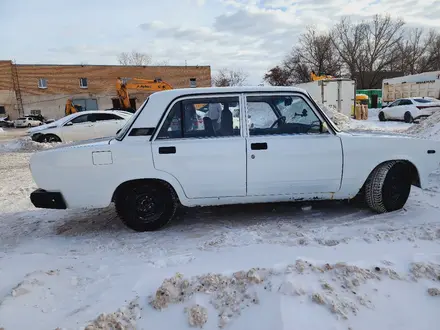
[
  {"x": 126, "y": 184},
  {"x": 415, "y": 176}
]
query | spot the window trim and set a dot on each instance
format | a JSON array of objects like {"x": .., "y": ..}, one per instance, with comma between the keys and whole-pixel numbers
[
  {"x": 293, "y": 93},
  {"x": 81, "y": 84},
  {"x": 41, "y": 86},
  {"x": 199, "y": 96}
]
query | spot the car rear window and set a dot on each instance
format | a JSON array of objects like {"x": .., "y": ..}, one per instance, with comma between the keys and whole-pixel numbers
[{"x": 423, "y": 100}]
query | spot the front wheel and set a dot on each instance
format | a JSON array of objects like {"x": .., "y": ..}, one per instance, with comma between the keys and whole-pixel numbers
[
  {"x": 146, "y": 206},
  {"x": 51, "y": 138},
  {"x": 382, "y": 116},
  {"x": 388, "y": 186}
]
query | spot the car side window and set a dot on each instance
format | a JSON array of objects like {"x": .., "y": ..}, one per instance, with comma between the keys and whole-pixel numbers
[
  {"x": 394, "y": 104},
  {"x": 106, "y": 116},
  {"x": 405, "y": 102},
  {"x": 202, "y": 118},
  {"x": 275, "y": 114},
  {"x": 80, "y": 119}
]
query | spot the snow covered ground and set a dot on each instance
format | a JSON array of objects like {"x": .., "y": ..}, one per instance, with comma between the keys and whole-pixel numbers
[{"x": 273, "y": 266}]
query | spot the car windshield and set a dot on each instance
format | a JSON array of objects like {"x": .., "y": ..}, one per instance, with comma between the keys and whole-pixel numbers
[{"x": 130, "y": 122}]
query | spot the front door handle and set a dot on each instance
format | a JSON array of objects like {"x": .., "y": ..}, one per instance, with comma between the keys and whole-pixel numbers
[
  {"x": 259, "y": 146},
  {"x": 167, "y": 150}
]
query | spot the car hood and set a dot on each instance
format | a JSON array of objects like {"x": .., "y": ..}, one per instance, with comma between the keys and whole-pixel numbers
[
  {"x": 41, "y": 128},
  {"x": 85, "y": 143},
  {"x": 381, "y": 134}
]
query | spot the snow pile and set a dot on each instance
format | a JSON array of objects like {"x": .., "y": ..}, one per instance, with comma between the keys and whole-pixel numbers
[
  {"x": 24, "y": 144},
  {"x": 338, "y": 288},
  {"x": 124, "y": 318},
  {"x": 428, "y": 128},
  {"x": 341, "y": 120}
]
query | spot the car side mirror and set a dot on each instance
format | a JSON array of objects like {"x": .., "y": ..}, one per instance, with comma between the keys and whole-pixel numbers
[{"x": 69, "y": 124}]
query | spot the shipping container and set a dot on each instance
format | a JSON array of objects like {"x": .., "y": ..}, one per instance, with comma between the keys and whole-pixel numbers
[
  {"x": 338, "y": 93},
  {"x": 417, "y": 85}
]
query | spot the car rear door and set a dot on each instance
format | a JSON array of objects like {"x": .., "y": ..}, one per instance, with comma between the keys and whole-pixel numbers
[
  {"x": 107, "y": 124},
  {"x": 207, "y": 162},
  {"x": 291, "y": 156}
]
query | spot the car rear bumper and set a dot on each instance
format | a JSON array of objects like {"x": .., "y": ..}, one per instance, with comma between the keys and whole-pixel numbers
[{"x": 48, "y": 199}]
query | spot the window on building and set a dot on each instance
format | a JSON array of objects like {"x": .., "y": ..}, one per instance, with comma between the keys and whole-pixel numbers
[
  {"x": 42, "y": 83},
  {"x": 83, "y": 83},
  {"x": 202, "y": 118},
  {"x": 2, "y": 110},
  {"x": 192, "y": 82},
  {"x": 36, "y": 112}
]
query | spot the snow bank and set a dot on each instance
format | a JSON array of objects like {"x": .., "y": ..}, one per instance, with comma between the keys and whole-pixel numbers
[
  {"x": 341, "y": 120},
  {"x": 428, "y": 128},
  {"x": 23, "y": 145}
]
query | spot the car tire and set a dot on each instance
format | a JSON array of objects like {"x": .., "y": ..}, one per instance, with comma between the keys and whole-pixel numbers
[
  {"x": 50, "y": 138},
  {"x": 382, "y": 116},
  {"x": 408, "y": 118},
  {"x": 388, "y": 186},
  {"x": 29, "y": 125},
  {"x": 146, "y": 206}
]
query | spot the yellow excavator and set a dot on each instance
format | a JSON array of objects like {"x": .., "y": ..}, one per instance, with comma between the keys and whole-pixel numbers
[
  {"x": 137, "y": 84},
  {"x": 314, "y": 77},
  {"x": 70, "y": 108}
]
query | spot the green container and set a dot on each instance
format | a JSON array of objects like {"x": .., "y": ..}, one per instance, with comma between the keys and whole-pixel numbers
[{"x": 374, "y": 97}]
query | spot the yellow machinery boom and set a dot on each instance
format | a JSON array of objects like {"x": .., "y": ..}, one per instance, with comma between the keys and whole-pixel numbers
[
  {"x": 137, "y": 84},
  {"x": 314, "y": 77}
]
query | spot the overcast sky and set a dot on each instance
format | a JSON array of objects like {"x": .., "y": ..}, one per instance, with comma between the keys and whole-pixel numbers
[{"x": 252, "y": 35}]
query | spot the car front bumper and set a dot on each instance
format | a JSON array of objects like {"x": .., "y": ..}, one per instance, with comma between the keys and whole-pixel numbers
[{"x": 48, "y": 199}]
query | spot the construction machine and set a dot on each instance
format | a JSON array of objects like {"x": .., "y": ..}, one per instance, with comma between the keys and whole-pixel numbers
[
  {"x": 148, "y": 85},
  {"x": 71, "y": 108},
  {"x": 314, "y": 77}
]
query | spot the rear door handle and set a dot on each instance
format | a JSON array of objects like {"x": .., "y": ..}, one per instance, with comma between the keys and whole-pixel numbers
[
  {"x": 259, "y": 146},
  {"x": 167, "y": 150}
]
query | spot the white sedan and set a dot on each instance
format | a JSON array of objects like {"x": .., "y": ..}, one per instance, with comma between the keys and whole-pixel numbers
[
  {"x": 27, "y": 121},
  {"x": 83, "y": 125},
  {"x": 410, "y": 109}
]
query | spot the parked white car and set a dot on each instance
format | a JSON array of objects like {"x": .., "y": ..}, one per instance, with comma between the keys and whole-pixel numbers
[
  {"x": 152, "y": 166},
  {"x": 83, "y": 125},
  {"x": 27, "y": 121},
  {"x": 410, "y": 109}
]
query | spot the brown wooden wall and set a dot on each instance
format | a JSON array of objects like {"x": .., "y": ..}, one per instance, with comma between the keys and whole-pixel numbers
[{"x": 64, "y": 79}]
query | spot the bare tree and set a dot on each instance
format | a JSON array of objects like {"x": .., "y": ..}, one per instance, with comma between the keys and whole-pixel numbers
[
  {"x": 134, "y": 58},
  {"x": 314, "y": 52},
  {"x": 229, "y": 77},
  {"x": 278, "y": 76},
  {"x": 369, "y": 47}
]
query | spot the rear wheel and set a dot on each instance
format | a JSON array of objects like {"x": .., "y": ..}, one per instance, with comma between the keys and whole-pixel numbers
[
  {"x": 146, "y": 206},
  {"x": 388, "y": 186},
  {"x": 382, "y": 116},
  {"x": 408, "y": 117}
]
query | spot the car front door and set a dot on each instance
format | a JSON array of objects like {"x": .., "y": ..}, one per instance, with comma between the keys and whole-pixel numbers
[
  {"x": 79, "y": 128},
  {"x": 107, "y": 124},
  {"x": 208, "y": 160},
  {"x": 289, "y": 151}
]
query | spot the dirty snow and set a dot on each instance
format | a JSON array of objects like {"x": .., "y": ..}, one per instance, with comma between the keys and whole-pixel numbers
[{"x": 280, "y": 266}]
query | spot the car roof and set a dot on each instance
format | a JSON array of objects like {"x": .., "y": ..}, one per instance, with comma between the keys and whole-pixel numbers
[{"x": 234, "y": 89}]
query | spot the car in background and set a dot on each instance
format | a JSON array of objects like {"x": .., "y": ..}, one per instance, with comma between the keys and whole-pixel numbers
[
  {"x": 27, "y": 121},
  {"x": 410, "y": 109},
  {"x": 84, "y": 125},
  {"x": 5, "y": 122}
]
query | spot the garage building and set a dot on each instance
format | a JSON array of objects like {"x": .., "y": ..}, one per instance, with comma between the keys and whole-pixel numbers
[{"x": 44, "y": 89}]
